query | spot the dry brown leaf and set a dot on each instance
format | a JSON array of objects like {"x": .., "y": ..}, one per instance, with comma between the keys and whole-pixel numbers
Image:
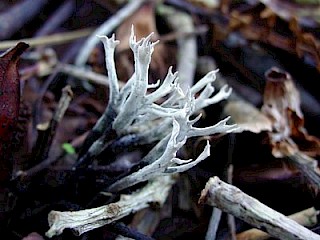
[
  {"x": 247, "y": 116},
  {"x": 282, "y": 106},
  {"x": 262, "y": 24},
  {"x": 307, "y": 14},
  {"x": 144, "y": 23},
  {"x": 306, "y": 43}
]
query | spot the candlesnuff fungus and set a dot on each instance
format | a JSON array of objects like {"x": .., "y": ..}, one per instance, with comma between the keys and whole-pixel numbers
[
  {"x": 168, "y": 123},
  {"x": 132, "y": 109}
]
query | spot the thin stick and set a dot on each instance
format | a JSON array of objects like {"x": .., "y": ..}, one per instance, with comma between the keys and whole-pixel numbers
[
  {"x": 128, "y": 232},
  {"x": 85, "y": 74},
  {"x": 48, "y": 135},
  {"x": 232, "y": 200},
  {"x": 14, "y": 18},
  {"x": 53, "y": 77},
  {"x": 173, "y": 36},
  {"x": 229, "y": 172},
  {"x": 213, "y": 224},
  {"x": 106, "y": 28},
  {"x": 309, "y": 170},
  {"x": 54, "y": 39},
  {"x": 57, "y": 18}
]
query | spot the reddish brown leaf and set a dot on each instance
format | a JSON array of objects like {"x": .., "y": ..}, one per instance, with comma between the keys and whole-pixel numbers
[
  {"x": 282, "y": 106},
  {"x": 9, "y": 100}
]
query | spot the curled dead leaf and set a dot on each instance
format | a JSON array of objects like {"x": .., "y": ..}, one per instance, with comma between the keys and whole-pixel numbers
[{"x": 281, "y": 104}]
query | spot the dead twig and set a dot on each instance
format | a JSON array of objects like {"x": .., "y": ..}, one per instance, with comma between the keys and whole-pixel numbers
[
  {"x": 53, "y": 78},
  {"x": 307, "y": 218},
  {"x": 57, "y": 18},
  {"x": 15, "y": 17},
  {"x": 53, "y": 39},
  {"x": 45, "y": 139},
  {"x": 216, "y": 213},
  {"x": 128, "y": 233},
  {"x": 309, "y": 170},
  {"x": 86, "y": 74},
  {"x": 214, "y": 224},
  {"x": 232, "y": 200}
]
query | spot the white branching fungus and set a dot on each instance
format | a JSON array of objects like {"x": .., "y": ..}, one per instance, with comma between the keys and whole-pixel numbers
[
  {"x": 169, "y": 122},
  {"x": 138, "y": 111},
  {"x": 165, "y": 115}
]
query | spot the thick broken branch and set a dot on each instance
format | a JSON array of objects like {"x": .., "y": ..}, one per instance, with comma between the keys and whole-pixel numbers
[
  {"x": 232, "y": 200},
  {"x": 307, "y": 218}
]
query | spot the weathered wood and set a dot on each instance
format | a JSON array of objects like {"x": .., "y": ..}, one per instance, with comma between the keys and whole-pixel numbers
[
  {"x": 155, "y": 192},
  {"x": 232, "y": 200},
  {"x": 307, "y": 218}
]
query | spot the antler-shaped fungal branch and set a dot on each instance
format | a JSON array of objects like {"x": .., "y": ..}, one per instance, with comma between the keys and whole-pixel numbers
[
  {"x": 133, "y": 109},
  {"x": 167, "y": 163}
]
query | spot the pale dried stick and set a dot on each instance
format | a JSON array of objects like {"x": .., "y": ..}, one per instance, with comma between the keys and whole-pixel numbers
[
  {"x": 213, "y": 224},
  {"x": 232, "y": 200},
  {"x": 105, "y": 29},
  {"x": 182, "y": 22},
  {"x": 155, "y": 192},
  {"x": 307, "y": 218},
  {"x": 53, "y": 39},
  {"x": 86, "y": 74}
]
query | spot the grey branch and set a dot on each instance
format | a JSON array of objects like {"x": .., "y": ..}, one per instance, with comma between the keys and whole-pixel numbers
[
  {"x": 307, "y": 218},
  {"x": 232, "y": 200}
]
